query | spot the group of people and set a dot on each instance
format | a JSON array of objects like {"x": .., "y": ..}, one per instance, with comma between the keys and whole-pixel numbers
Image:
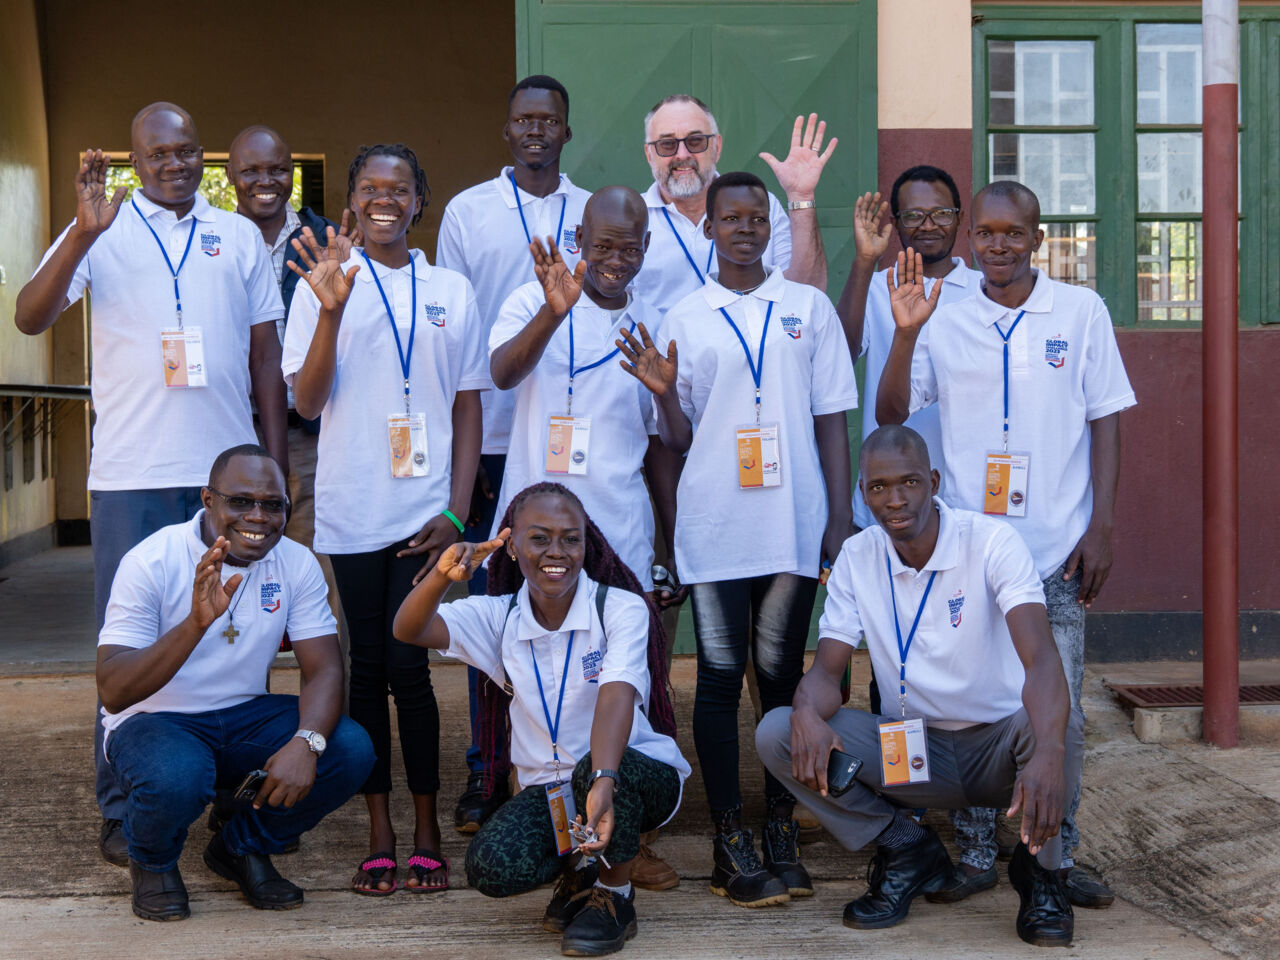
[{"x": 576, "y": 377}]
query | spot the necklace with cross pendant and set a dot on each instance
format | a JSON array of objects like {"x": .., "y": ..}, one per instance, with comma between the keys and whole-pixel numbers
[{"x": 231, "y": 632}]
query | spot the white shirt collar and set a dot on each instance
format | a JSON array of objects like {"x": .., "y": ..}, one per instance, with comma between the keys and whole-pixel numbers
[
  {"x": 502, "y": 183},
  {"x": 200, "y": 208},
  {"x": 578, "y": 617},
  {"x": 718, "y": 297},
  {"x": 421, "y": 267},
  {"x": 1040, "y": 301},
  {"x": 946, "y": 552}
]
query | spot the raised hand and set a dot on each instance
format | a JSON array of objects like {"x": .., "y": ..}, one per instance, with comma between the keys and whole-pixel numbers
[
  {"x": 560, "y": 287},
  {"x": 911, "y": 308},
  {"x": 340, "y": 243},
  {"x": 460, "y": 560},
  {"x": 798, "y": 175},
  {"x": 322, "y": 266},
  {"x": 645, "y": 363},
  {"x": 872, "y": 227},
  {"x": 94, "y": 212},
  {"x": 210, "y": 596}
]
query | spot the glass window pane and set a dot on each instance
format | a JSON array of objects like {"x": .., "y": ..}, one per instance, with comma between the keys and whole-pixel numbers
[
  {"x": 1041, "y": 82},
  {"x": 1069, "y": 253},
  {"x": 1169, "y": 171},
  {"x": 1169, "y": 260},
  {"x": 1058, "y": 167},
  {"x": 1169, "y": 73}
]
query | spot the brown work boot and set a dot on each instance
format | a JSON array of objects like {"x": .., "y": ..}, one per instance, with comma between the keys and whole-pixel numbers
[{"x": 649, "y": 871}]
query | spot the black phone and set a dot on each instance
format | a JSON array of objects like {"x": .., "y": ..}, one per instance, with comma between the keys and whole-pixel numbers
[
  {"x": 251, "y": 784},
  {"x": 841, "y": 769}
]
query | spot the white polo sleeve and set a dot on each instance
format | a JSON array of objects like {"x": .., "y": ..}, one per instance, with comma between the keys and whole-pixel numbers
[
  {"x": 1011, "y": 573},
  {"x": 840, "y": 618},
  {"x": 924, "y": 381},
  {"x": 833, "y": 387},
  {"x": 304, "y": 314},
  {"x": 137, "y": 595},
  {"x": 474, "y": 371},
  {"x": 450, "y": 253},
  {"x": 656, "y": 324},
  {"x": 1106, "y": 385},
  {"x": 514, "y": 315},
  {"x": 626, "y": 641},
  {"x": 79, "y": 279},
  {"x": 780, "y": 233},
  {"x": 262, "y": 286},
  {"x": 309, "y": 613},
  {"x": 475, "y": 632}
]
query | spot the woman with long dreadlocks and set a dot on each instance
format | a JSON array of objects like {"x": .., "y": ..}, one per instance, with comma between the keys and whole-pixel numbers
[{"x": 567, "y": 630}]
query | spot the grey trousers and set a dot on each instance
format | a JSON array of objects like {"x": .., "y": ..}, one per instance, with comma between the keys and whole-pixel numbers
[{"x": 976, "y": 766}]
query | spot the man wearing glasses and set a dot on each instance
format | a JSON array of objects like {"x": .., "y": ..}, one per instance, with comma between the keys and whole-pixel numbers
[{"x": 196, "y": 614}]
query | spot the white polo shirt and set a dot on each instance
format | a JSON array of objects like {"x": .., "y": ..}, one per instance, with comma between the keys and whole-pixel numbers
[
  {"x": 360, "y": 507},
  {"x": 620, "y": 408},
  {"x": 722, "y": 531},
  {"x": 667, "y": 276},
  {"x": 501, "y": 643},
  {"x": 962, "y": 667},
  {"x": 877, "y": 335},
  {"x": 483, "y": 238},
  {"x": 147, "y": 436},
  {"x": 151, "y": 594},
  {"x": 1064, "y": 370}
]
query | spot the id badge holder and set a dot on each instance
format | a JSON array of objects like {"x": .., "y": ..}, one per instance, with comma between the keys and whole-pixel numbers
[
  {"x": 568, "y": 445},
  {"x": 759, "y": 456},
  {"x": 182, "y": 355},
  {"x": 1005, "y": 491},
  {"x": 561, "y": 808},
  {"x": 407, "y": 443},
  {"x": 904, "y": 752}
]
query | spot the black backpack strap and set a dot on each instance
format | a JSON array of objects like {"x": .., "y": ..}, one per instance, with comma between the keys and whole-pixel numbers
[
  {"x": 602, "y": 591},
  {"x": 511, "y": 605}
]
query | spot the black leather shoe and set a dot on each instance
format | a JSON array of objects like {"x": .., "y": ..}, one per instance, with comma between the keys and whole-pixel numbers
[
  {"x": 1085, "y": 889},
  {"x": 158, "y": 896},
  {"x": 895, "y": 878},
  {"x": 739, "y": 875},
  {"x": 570, "y": 894},
  {"x": 475, "y": 806},
  {"x": 112, "y": 844},
  {"x": 963, "y": 885},
  {"x": 1044, "y": 914},
  {"x": 780, "y": 842},
  {"x": 254, "y": 874},
  {"x": 605, "y": 923}
]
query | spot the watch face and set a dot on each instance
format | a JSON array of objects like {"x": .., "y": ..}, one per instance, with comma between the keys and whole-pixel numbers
[{"x": 317, "y": 742}]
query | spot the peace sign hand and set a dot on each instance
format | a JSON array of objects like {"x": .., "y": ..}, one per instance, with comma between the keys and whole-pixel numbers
[
  {"x": 911, "y": 308},
  {"x": 646, "y": 364},
  {"x": 560, "y": 287},
  {"x": 322, "y": 266},
  {"x": 209, "y": 595},
  {"x": 94, "y": 212},
  {"x": 871, "y": 227}
]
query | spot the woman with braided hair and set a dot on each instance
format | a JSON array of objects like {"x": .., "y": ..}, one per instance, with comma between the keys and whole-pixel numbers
[{"x": 569, "y": 633}]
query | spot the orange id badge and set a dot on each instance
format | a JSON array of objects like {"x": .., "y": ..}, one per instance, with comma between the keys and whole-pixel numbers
[
  {"x": 759, "y": 456},
  {"x": 568, "y": 445},
  {"x": 1005, "y": 493},
  {"x": 182, "y": 354},
  {"x": 904, "y": 752},
  {"x": 407, "y": 442},
  {"x": 560, "y": 805}
]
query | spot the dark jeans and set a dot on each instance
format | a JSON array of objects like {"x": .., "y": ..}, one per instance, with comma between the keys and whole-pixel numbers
[
  {"x": 118, "y": 521},
  {"x": 515, "y": 850},
  {"x": 169, "y": 762},
  {"x": 495, "y": 464},
  {"x": 771, "y": 614},
  {"x": 372, "y": 587}
]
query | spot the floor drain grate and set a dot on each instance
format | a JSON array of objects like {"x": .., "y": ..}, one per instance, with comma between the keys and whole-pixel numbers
[{"x": 1188, "y": 694}]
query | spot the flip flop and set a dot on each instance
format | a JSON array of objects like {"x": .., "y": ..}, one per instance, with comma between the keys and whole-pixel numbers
[
  {"x": 424, "y": 862},
  {"x": 376, "y": 868}
]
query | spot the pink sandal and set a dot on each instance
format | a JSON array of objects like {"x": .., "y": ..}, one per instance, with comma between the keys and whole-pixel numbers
[
  {"x": 376, "y": 868},
  {"x": 422, "y": 863}
]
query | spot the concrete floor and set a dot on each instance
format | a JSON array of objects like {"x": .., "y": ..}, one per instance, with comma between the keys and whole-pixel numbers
[{"x": 1189, "y": 836}]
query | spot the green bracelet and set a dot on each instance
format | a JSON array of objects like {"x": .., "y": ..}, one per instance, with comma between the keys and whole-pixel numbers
[{"x": 454, "y": 520}]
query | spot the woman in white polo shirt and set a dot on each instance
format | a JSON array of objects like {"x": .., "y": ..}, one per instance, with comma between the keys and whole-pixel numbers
[
  {"x": 568, "y": 631},
  {"x": 754, "y": 386},
  {"x": 390, "y": 350}
]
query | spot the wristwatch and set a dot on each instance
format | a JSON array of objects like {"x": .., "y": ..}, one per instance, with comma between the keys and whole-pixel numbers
[
  {"x": 597, "y": 774},
  {"x": 801, "y": 204},
  {"x": 315, "y": 741}
]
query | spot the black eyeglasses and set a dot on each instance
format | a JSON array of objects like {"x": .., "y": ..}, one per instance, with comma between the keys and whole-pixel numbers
[
  {"x": 694, "y": 143},
  {"x": 941, "y": 217},
  {"x": 245, "y": 504}
]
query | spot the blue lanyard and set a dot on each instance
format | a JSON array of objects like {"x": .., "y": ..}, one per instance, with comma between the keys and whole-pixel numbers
[
  {"x": 524, "y": 223},
  {"x": 553, "y": 728},
  {"x": 574, "y": 371},
  {"x": 177, "y": 296},
  {"x": 904, "y": 649},
  {"x": 1005, "y": 337},
  {"x": 757, "y": 368},
  {"x": 405, "y": 355},
  {"x": 687, "y": 255}
]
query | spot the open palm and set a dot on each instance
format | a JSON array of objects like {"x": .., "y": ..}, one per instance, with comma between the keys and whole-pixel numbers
[
  {"x": 646, "y": 364},
  {"x": 911, "y": 308},
  {"x": 322, "y": 266},
  {"x": 560, "y": 287},
  {"x": 94, "y": 212},
  {"x": 871, "y": 226}
]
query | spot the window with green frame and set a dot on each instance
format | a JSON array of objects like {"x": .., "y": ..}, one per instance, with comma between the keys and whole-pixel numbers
[{"x": 1098, "y": 109}]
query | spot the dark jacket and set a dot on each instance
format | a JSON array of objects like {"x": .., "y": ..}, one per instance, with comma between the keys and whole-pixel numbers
[{"x": 289, "y": 279}]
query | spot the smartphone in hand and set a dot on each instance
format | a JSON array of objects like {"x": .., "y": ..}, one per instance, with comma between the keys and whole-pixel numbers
[
  {"x": 841, "y": 770},
  {"x": 250, "y": 786}
]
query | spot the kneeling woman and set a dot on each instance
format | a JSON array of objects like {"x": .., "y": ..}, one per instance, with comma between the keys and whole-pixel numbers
[{"x": 582, "y": 661}]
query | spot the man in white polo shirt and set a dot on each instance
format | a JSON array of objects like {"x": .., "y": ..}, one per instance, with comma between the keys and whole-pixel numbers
[
  {"x": 196, "y": 615},
  {"x": 1029, "y": 384},
  {"x": 183, "y": 323},
  {"x": 977, "y": 705}
]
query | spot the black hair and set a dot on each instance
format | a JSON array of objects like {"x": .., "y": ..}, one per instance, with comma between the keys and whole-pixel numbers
[
  {"x": 226, "y": 456},
  {"x": 737, "y": 178},
  {"x": 894, "y": 436},
  {"x": 926, "y": 174},
  {"x": 400, "y": 152},
  {"x": 540, "y": 81}
]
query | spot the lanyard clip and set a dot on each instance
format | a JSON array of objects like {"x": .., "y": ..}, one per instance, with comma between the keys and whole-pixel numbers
[
  {"x": 757, "y": 406},
  {"x": 570, "y": 401},
  {"x": 406, "y": 398}
]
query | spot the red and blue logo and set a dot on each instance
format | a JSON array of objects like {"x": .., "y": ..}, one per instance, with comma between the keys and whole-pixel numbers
[
  {"x": 210, "y": 244},
  {"x": 435, "y": 314},
  {"x": 953, "y": 607},
  {"x": 1055, "y": 352},
  {"x": 269, "y": 597},
  {"x": 791, "y": 326},
  {"x": 569, "y": 240}
]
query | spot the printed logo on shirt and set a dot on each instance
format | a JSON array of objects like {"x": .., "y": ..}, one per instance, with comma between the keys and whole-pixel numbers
[
  {"x": 269, "y": 597},
  {"x": 435, "y": 314},
  {"x": 953, "y": 607},
  {"x": 591, "y": 665},
  {"x": 569, "y": 240},
  {"x": 210, "y": 244},
  {"x": 791, "y": 326},
  {"x": 1055, "y": 352}
]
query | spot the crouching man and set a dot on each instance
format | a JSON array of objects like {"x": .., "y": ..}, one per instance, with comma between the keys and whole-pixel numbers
[
  {"x": 954, "y": 617},
  {"x": 197, "y": 612}
]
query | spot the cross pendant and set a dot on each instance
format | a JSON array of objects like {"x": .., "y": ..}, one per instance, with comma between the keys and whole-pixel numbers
[{"x": 231, "y": 633}]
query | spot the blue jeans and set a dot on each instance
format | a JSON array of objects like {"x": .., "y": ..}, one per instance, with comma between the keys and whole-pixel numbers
[
  {"x": 169, "y": 762},
  {"x": 118, "y": 521},
  {"x": 495, "y": 464}
]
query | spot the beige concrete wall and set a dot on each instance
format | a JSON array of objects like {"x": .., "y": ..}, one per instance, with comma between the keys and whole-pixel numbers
[{"x": 924, "y": 71}]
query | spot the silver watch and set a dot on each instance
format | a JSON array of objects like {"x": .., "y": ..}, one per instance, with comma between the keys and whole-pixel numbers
[{"x": 315, "y": 741}]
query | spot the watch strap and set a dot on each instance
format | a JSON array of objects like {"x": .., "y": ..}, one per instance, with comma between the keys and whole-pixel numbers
[{"x": 611, "y": 774}]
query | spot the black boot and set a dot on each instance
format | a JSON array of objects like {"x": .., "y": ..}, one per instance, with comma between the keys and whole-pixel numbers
[
  {"x": 1044, "y": 913},
  {"x": 895, "y": 878},
  {"x": 567, "y": 898},
  {"x": 780, "y": 842},
  {"x": 604, "y": 924},
  {"x": 738, "y": 873},
  {"x": 476, "y": 805}
]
